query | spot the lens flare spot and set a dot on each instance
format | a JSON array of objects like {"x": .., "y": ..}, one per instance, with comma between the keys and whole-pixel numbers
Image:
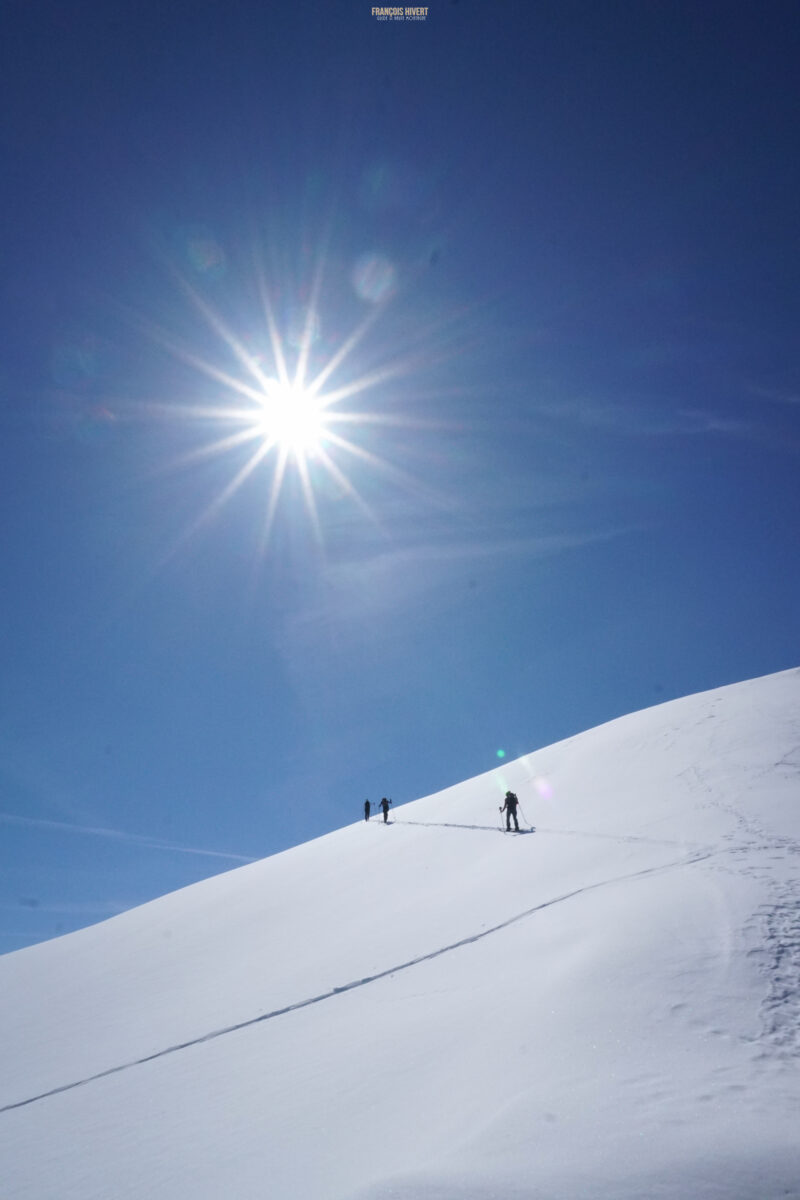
[
  {"x": 501, "y": 753},
  {"x": 205, "y": 254},
  {"x": 374, "y": 278},
  {"x": 543, "y": 787},
  {"x": 396, "y": 186},
  {"x": 94, "y": 427}
]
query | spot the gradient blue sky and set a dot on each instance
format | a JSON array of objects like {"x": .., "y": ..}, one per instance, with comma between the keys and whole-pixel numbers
[{"x": 550, "y": 250}]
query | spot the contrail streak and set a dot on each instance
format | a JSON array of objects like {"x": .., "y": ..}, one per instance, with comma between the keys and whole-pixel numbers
[{"x": 119, "y": 836}]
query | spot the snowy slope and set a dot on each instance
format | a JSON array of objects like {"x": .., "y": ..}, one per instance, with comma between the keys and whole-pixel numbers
[{"x": 435, "y": 1010}]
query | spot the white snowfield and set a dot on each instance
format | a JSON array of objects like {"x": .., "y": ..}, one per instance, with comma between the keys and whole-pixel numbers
[{"x": 605, "y": 1009}]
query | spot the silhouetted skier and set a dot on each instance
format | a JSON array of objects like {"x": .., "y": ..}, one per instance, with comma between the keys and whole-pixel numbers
[
  {"x": 385, "y": 806},
  {"x": 510, "y": 809},
  {"x": 366, "y": 810}
]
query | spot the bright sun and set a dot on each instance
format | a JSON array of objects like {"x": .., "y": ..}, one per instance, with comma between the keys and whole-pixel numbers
[{"x": 292, "y": 419}]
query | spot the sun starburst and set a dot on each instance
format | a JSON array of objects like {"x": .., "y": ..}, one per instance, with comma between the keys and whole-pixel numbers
[{"x": 279, "y": 404}]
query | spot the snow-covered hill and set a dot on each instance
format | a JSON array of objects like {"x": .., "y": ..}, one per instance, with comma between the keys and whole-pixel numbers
[{"x": 436, "y": 1010}]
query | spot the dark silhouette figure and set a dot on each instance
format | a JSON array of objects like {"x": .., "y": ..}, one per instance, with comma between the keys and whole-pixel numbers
[
  {"x": 366, "y": 810},
  {"x": 385, "y": 807},
  {"x": 510, "y": 809}
]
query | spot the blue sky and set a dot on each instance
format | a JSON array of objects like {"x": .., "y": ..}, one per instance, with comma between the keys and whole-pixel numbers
[{"x": 542, "y": 258}]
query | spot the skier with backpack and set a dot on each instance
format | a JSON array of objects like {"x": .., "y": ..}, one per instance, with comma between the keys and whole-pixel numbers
[
  {"x": 366, "y": 810},
  {"x": 385, "y": 808},
  {"x": 509, "y": 807}
]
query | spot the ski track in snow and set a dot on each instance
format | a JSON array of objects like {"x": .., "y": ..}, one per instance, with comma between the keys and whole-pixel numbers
[
  {"x": 776, "y": 923},
  {"x": 695, "y": 856},
  {"x": 780, "y": 1010}
]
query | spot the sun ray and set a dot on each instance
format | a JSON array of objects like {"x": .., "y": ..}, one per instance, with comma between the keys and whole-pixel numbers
[
  {"x": 348, "y": 487},
  {"x": 276, "y": 342},
  {"x": 211, "y": 370},
  {"x": 345, "y": 349},
  {"x": 307, "y": 336},
  {"x": 308, "y": 496},
  {"x": 212, "y": 449},
  {"x": 231, "y": 488},
  {"x": 272, "y": 506},
  {"x": 215, "y": 506},
  {"x": 220, "y": 328},
  {"x": 404, "y": 479},
  {"x": 394, "y": 421},
  {"x": 364, "y": 383},
  {"x": 205, "y": 413}
]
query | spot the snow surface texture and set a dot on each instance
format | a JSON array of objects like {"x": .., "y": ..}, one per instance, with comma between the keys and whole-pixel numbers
[{"x": 605, "y": 1009}]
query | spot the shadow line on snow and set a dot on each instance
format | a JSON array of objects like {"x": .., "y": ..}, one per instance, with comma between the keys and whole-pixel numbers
[
  {"x": 609, "y": 837},
  {"x": 453, "y": 825},
  {"x": 686, "y": 860}
]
